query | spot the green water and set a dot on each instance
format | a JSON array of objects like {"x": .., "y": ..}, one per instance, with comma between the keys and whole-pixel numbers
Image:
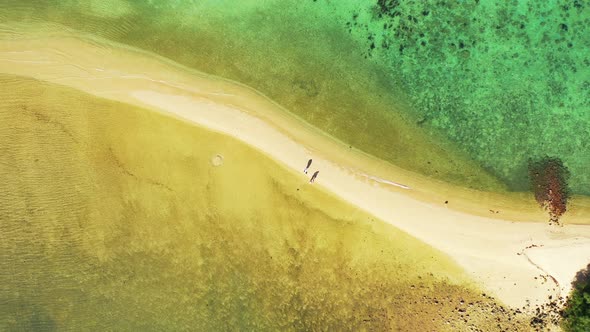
[
  {"x": 465, "y": 91},
  {"x": 507, "y": 80},
  {"x": 115, "y": 218}
]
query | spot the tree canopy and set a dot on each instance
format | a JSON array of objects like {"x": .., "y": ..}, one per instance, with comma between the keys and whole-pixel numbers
[{"x": 577, "y": 310}]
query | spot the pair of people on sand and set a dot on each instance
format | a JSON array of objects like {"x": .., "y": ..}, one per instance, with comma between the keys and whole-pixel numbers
[{"x": 315, "y": 174}]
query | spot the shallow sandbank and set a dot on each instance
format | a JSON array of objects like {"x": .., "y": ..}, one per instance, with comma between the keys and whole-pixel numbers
[{"x": 490, "y": 246}]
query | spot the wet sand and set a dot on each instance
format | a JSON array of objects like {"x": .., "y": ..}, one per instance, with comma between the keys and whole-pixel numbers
[{"x": 496, "y": 249}]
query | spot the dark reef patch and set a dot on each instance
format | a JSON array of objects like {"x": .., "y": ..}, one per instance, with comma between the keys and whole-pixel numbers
[{"x": 549, "y": 183}]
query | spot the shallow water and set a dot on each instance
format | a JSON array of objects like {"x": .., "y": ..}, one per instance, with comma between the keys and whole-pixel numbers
[
  {"x": 127, "y": 222},
  {"x": 116, "y": 218},
  {"x": 318, "y": 79},
  {"x": 465, "y": 92}
]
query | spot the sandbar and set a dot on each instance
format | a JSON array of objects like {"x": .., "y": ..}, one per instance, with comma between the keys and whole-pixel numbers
[{"x": 506, "y": 253}]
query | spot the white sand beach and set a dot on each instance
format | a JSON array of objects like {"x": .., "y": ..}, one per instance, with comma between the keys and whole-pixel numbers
[{"x": 507, "y": 254}]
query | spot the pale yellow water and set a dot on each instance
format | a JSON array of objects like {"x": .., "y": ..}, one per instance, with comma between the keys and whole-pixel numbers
[{"x": 115, "y": 218}]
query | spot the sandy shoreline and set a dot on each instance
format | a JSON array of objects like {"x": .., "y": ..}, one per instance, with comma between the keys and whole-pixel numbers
[{"x": 491, "y": 250}]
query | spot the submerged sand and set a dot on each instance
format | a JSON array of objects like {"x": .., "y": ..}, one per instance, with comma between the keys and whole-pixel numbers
[{"x": 505, "y": 256}]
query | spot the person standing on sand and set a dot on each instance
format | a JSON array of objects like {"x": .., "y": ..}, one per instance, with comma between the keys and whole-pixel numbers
[
  {"x": 315, "y": 175},
  {"x": 307, "y": 167}
]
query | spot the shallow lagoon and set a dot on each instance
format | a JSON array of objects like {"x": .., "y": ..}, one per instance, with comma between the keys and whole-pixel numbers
[{"x": 127, "y": 223}]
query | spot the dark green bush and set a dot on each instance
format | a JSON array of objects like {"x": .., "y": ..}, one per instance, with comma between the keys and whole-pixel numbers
[{"x": 577, "y": 311}]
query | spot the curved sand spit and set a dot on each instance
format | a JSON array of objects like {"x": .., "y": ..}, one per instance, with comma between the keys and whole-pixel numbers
[{"x": 503, "y": 256}]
